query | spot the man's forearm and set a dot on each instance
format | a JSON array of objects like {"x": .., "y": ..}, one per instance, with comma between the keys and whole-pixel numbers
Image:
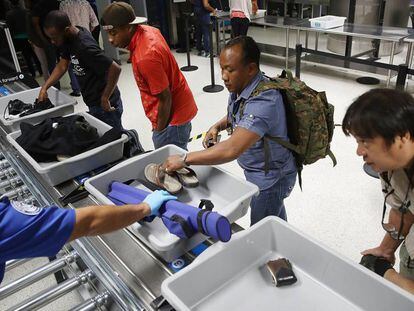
[
  {"x": 389, "y": 245},
  {"x": 218, "y": 154},
  {"x": 164, "y": 110},
  {"x": 225, "y": 151},
  {"x": 399, "y": 280},
  {"x": 57, "y": 73},
  {"x": 221, "y": 125},
  {"x": 96, "y": 220},
  {"x": 114, "y": 72}
]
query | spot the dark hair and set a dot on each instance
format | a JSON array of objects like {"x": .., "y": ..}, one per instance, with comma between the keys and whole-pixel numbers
[
  {"x": 57, "y": 19},
  {"x": 251, "y": 52},
  {"x": 380, "y": 112}
]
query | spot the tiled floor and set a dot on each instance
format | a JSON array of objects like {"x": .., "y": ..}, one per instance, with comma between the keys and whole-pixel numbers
[{"x": 340, "y": 206}]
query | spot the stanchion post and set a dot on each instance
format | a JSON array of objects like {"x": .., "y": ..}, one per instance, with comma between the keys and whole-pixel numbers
[
  {"x": 213, "y": 87},
  {"x": 298, "y": 60},
  {"x": 189, "y": 67},
  {"x": 402, "y": 77}
]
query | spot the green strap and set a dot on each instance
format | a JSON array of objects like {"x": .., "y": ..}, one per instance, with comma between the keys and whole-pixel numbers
[
  {"x": 292, "y": 147},
  {"x": 284, "y": 143},
  {"x": 300, "y": 178},
  {"x": 288, "y": 74},
  {"x": 332, "y": 156}
]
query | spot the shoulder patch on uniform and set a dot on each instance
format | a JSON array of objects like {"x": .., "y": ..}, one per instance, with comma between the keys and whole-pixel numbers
[{"x": 24, "y": 208}]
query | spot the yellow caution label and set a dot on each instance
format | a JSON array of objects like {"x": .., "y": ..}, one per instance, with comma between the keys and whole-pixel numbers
[{"x": 199, "y": 136}]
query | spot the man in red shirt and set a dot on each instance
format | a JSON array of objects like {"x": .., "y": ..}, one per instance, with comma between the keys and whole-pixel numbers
[{"x": 165, "y": 94}]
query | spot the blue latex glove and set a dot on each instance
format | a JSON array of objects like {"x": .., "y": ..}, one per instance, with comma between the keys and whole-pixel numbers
[{"x": 156, "y": 199}]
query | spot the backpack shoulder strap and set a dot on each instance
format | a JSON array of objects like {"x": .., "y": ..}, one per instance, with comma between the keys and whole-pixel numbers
[
  {"x": 264, "y": 86},
  {"x": 282, "y": 142},
  {"x": 272, "y": 84}
]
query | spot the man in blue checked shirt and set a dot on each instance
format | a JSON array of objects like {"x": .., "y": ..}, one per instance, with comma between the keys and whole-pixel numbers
[
  {"x": 29, "y": 231},
  {"x": 249, "y": 118}
]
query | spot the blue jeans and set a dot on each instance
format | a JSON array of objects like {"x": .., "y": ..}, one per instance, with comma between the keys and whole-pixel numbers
[
  {"x": 269, "y": 202},
  {"x": 112, "y": 118},
  {"x": 74, "y": 84},
  {"x": 173, "y": 134},
  {"x": 203, "y": 32}
]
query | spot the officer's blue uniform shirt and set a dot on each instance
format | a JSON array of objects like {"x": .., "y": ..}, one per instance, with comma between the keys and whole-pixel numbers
[
  {"x": 263, "y": 114},
  {"x": 29, "y": 231}
]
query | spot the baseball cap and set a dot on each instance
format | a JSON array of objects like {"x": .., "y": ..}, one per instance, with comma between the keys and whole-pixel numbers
[{"x": 119, "y": 14}]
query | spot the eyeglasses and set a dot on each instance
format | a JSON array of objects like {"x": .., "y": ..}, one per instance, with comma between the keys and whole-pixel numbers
[{"x": 389, "y": 228}]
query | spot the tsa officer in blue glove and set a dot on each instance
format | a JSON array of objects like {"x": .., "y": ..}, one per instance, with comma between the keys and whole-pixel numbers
[{"x": 30, "y": 231}]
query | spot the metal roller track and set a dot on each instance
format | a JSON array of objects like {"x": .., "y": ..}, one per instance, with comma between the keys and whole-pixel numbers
[
  {"x": 47, "y": 296},
  {"x": 93, "y": 303},
  {"x": 37, "y": 275},
  {"x": 15, "y": 263}
]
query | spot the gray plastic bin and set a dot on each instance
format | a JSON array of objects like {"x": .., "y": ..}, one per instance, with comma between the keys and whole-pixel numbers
[
  {"x": 230, "y": 195},
  {"x": 64, "y": 104},
  {"x": 56, "y": 172},
  {"x": 233, "y": 276}
]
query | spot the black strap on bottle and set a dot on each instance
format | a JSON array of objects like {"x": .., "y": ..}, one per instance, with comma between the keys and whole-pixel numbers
[
  {"x": 184, "y": 225},
  {"x": 200, "y": 220},
  {"x": 206, "y": 204}
]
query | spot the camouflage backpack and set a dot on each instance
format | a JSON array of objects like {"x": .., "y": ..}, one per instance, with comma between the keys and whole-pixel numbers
[{"x": 309, "y": 121}]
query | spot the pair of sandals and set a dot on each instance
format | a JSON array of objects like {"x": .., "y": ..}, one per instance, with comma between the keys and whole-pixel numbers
[{"x": 172, "y": 182}]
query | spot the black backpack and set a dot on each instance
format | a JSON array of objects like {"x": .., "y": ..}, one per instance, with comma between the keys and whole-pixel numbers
[{"x": 133, "y": 146}]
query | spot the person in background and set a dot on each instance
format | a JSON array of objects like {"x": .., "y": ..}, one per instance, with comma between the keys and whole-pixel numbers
[
  {"x": 381, "y": 121},
  {"x": 16, "y": 19},
  {"x": 240, "y": 12},
  {"x": 80, "y": 14},
  {"x": 40, "y": 9},
  {"x": 202, "y": 11},
  {"x": 167, "y": 99},
  {"x": 97, "y": 30},
  {"x": 36, "y": 41}
]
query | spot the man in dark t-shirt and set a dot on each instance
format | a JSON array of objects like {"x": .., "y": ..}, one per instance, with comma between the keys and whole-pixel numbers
[{"x": 96, "y": 73}]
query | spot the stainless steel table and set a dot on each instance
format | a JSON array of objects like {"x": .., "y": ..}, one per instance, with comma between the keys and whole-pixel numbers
[
  {"x": 282, "y": 23},
  {"x": 393, "y": 34},
  {"x": 219, "y": 19},
  {"x": 410, "y": 51}
]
